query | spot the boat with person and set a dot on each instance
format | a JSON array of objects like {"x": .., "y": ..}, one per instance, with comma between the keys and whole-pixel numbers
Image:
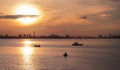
[
  {"x": 36, "y": 45},
  {"x": 77, "y": 44}
]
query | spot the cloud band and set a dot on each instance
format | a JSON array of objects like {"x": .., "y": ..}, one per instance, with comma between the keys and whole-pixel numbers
[{"x": 18, "y": 16}]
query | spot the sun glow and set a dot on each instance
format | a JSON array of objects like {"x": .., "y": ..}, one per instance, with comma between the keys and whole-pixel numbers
[
  {"x": 27, "y": 42},
  {"x": 27, "y": 10},
  {"x": 27, "y": 50}
]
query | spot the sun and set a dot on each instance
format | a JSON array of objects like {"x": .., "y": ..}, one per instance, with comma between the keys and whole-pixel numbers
[{"x": 27, "y": 10}]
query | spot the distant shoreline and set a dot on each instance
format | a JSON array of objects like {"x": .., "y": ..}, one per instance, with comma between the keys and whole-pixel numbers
[
  {"x": 59, "y": 38},
  {"x": 54, "y": 36}
]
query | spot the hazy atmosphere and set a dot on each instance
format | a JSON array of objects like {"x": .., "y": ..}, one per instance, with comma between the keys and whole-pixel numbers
[
  {"x": 59, "y": 34},
  {"x": 73, "y": 17}
]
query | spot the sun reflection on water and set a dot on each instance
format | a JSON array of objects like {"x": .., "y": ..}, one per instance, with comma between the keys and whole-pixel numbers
[
  {"x": 27, "y": 49},
  {"x": 27, "y": 52},
  {"x": 27, "y": 42}
]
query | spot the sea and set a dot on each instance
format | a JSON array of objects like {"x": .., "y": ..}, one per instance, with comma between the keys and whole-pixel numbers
[{"x": 95, "y": 54}]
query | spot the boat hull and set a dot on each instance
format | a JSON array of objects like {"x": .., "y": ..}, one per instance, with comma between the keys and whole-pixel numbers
[
  {"x": 36, "y": 45},
  {"x": 77, "y": 44}
]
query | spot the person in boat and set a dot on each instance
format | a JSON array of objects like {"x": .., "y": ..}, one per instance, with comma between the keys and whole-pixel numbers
[
  {"x": 65, "y": 54},
  {"x": 76, "y": 43}
]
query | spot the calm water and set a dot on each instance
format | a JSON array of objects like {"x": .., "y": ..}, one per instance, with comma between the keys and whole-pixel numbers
[{"x": 96, "y": 54}]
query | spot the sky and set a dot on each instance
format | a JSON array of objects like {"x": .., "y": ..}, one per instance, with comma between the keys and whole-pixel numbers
[{"x": 73, "y": 17}]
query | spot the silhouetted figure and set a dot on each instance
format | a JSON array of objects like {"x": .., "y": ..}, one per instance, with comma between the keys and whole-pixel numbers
[{"x": 65, "y": 54}]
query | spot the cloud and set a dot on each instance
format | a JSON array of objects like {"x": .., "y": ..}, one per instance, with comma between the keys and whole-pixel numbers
[
  {"x": 115, "y": 0},
  {"x": 1, "y": 13},
  {"x": 83, "y": 17},
  {"x": 105, "y": 16},
  {"x": 17, "y": 16}
]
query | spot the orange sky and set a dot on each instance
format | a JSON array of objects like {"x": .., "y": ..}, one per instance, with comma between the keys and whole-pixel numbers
[{"x": 74, "y": 17}]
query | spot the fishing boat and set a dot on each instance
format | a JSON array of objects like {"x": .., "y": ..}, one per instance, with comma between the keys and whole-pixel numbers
[
  {"x": 36, "y": 45},
  {"x": 77, "y": 44}
]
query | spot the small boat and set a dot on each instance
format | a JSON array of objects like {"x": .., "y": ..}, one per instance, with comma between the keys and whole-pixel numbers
[
  {"x": 65, "y": 54},
  {"x": 77, "y": 44},
  {"x": 36, "y": 45}
]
